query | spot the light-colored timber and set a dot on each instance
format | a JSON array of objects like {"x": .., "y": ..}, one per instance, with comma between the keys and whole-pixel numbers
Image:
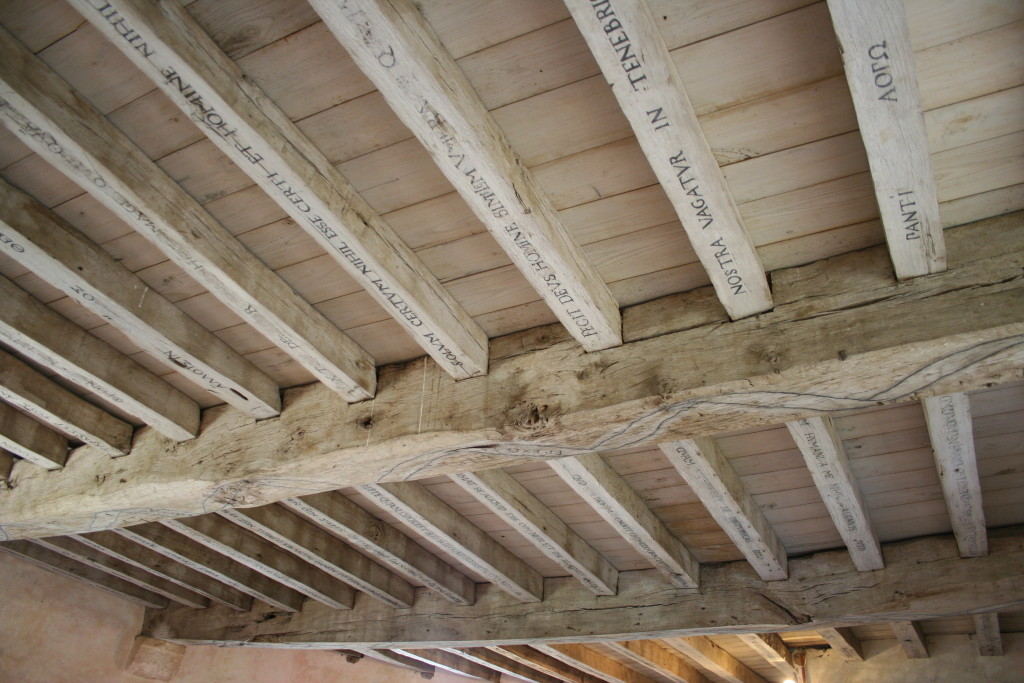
[
  {"x": 844, "y": 641},
  {"x": 393, "y": 45},
  {"x": 772, "y": 649},
  {"x": 594, "y": 662},
  {"x": 31, "y": 440},
  {"x": 546, "y": 663},
  {"x": 65, "y": 129},
  {"x": 624, "y": 38},
  {"x": 825, "y": 457},
  {"x": 712, "y": 478},
  {"x": 652, "y": 654},
  {"x": 880, "y": 69},
  {"x": 911, "y": 639},
  {"x": 246, "y": 125},
  {"x": 502, "y": 664},
  {"x": 442, "y": 659},
  {"x": 986, "y": 631},
  {"x": 396, "y": 659},
  {"x": 709, "y": 656}
]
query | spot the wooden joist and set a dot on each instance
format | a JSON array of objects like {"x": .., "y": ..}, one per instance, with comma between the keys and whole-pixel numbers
[
  {"x": 6, "y": 466},
  {"x": 666, "y": 662},
  {"x": 248, "y": 127},
  {"x": 545, "y": 663},
  {"x": 435, "y": 521},
  {"x": 64, "y": 129},
  {"x": 447, "y": 661},
  {"x": 712, "y": 478},
  {"x": 624, "y": 38},
  {"x": 593, "y": 662},
  {"x": 30, "y": 440},
  {"x": 844, "y": 335},
  {"x": 823, "y": 452},
  {"x": 879, "y": 61},
  {"x": 42, "y": 242},
  {"x": 506, "y": 497},
  {"x": 911, "y": 639},
  {"x": 38, "y": 395},
  {"x": 952, "y": 436},
  {"x": 396, "y": 659},
  {"x": 623, "y": 508},
  {"x": 709, "y": 656},
  {"x": 986, "y": 631},
  {"x": 396, "y": 48},
  {"x": 771, "y": 648},
  {"x": 502, "y": 664},
  {"x": 844, "y": 641},
  {"x": 51, "y": 340}
]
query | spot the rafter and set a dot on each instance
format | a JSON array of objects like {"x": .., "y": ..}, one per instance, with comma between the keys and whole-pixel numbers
[
  {"x": 773, "y": 650},
  {"x": 545, "y": 663},
  {"x": 844, "y": 641},
  {"x": 593, "y": 662},
  {"x": 502, "y": 664},
  {"x": 441, "y": 659},
  {"x": 911, "y": 639},
  {"x": 986, "y": 631},
  {"x": 711, "y": 657},
  {"x": 396, "y": 659},
  {"x": 663, "y": 660},
  {"x": 31, "y": 440},
  {"x": 246, "y": 125},
  {"x": 396, "y": 48}
]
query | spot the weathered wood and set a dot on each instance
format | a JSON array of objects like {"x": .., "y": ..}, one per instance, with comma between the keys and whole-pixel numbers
[
  {"x": 441, "y": 659},
  {"x": 511, "y": 501},
  {"x": 63, "y": 128},
  {"x": 986, "y": 631},
  {"x": 711, "y": 657},
  {"x": 843, "y": 335},
  {"x": 6, "y": 465},
  {"x": 323, "y": 551},
  {"x": 223, "y": 537},
  {"x": 47, "y": 559},
  {"x": 238, "y": 576},
  {"x": 911, "y": 639},
  {"x": 593, "y": 662},
  {"x": 396, "y": 659},
  {"x": 40, "y": 396},
  {"x": 771, "y": 647},
  {"x": 843, "y": 641},
  {"x": 51, "y": 340},
  {"x": 434, "y": 520},
  {"x": 42, "y": 242},
  {"x": 879, "y": 61},
  {"x": 650, "y": 653},
  {"x": 31, "y": 440},
  {"x": 502, "y": 664},
  {"x": 625, "y": 39},
  {"x": 952, "y": 437},
  {"x": 715, "y": 482},
  {"x": 823, "y": 452},
  {"x": 396, "y": 48},
  {"x": 621, "y": 506},
  {"x": 343, "y": 518},
  {"x": 249, "y": 128},
  {"x": 546, "y": 663}
]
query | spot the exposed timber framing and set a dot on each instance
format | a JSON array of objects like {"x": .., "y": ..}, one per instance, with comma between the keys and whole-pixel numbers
[
  {"x": 844, "y": 641},
  {"x": 510, "y": 500},
  {"x": 593, "y": 662},
  {"x": 446, "y": 660},
  {"x": 844, "y": 334},
  {"x": 824, "y": 590},
  {"x": 628, "y": 45},
  {"x": 715, "y": 482},
  {"x": 31, "y": 440},
  {"x": 623, "y": 508},
  {"x": 502, "y": 664},
  {"x": 911, "y": 639},
  {"x": 545, "y": 663},
  {"x": 707, "y": 655},
  {"x": 952, "y": 436},
  {"x": 249, "y": 128},
  {"x": 879, "y": 61},
  {"x": 773, "y": 650},
  {"x": 823, "y": 452},
  {"x": 42, "y": 242},
  {"x": 51, "y": 340},
  {"x": 986, "y": 631},
  {"x": 38, "y": 395},
  {"x": 653, "y": 654},
  {"x": 6, "y": 466},
  {"x": 396, "y": 659},
  {"x": 63, "y": 128},
  {"x": 395, "y": 47}
]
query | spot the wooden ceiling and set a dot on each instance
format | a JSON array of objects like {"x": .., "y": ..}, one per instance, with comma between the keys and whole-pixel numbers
[{"x": 719, "y": 339}]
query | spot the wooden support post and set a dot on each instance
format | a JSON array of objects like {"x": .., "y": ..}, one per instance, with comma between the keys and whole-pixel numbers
[
  {"x": 772, "y": 649},
  {"x": 663, "y": 660},
  {"x": 844, "y": 642},
  {"x": 714, "y": 481},
  {"x": 31, "y": 440},
  {"x": 911, "y": 639},
  {"x": 986, "y": 630},
  {"x": 825, "y": 457},
  {"x": 709, "y": 656}
]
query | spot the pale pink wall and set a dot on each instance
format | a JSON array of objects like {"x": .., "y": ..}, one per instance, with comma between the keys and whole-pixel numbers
[{"x": 57, "y": 630}]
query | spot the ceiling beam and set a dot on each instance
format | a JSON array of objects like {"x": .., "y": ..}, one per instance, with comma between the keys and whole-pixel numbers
[
  {"x": 844, "y": 641},
  {"x": 62, "y": 257},
  {"x": 879, "y": 61},
  {"x": 709, "y": 656},
  {"x": 843, "y": 335},
  {"x": 502, "y": 664},
  {"x": 712, "y": 478},
  {"x": 57, "y": 123},
  {"x": 664, "y": 661},
  {"x": 396, "y": 659},
  {"x": 31, "y": 440},
  {"x": 986, "y": 630},
  {"x": 825, "y": 457},
  {"x": 771, "y": 648},
  {"x": 911, "y": 639},
  {"x": 545, "y": 663},
  {"x": 395, "y": 47},
  {"x": 441, "y": 659},
  {"x": 626, "y": 41},
  {"x": 593, "y": 662},
  {"x": 824, "y": 590},
  {"x": 249, "y": 128}
]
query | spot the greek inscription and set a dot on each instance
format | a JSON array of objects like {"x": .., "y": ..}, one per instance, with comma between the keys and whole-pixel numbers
[{"x": 881, "y": 71}]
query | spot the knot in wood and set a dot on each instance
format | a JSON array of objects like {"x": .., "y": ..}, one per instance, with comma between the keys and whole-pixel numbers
[
  {"x": 529, "y": 417},
  {"x": 236, "y": 494}
]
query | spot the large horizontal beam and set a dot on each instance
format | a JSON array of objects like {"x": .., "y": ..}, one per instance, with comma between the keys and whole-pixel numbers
[
  {"x": 844, "y": 335},
  {"x": 923, "y": 579}
]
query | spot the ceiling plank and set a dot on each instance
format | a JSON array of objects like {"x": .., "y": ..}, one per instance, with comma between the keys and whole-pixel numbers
[
  {"x": 506, "y": 497},
  {"x": 394, "y": 46},
  {"x": 248, "y": 127},
  {"x": 712, "y": 478},
  {"x": 310, "y": 543},
  {"x": 879, "y": 61},
  {"x": 396, "y": 659},
  {"x": 545, "y": 663},
  {"x": 441, "y": 659},
  {"x": 238, "y": 576},
  {"x": 47, "y": 559},
  {"x": 711, "y": 657},
  {"x": 35, "y": 393},
  {"x": 223, "y": 537},
  {"x": 49, "y": 339},
  {"x": 619, "y": 505},
  {"x": 502, "y": 664},
  {"x": 824, "y": 590},
  {"x": 911, "y": 639},
  {"x": 843, "y": 335},
  {"x": 844, "y": 641},
  {"x": 823, "y": 452},
  {"x": 666, "y": 662},
  {"x": 127, "y": 551},
  {"x": 60, "y": 255},
  {"x": 593, "y": 662},
  {"x": 952, "y": 437},
  {"x": 625, "y": 39},
  {"x": 65, "y": 130},
  {"x": 31, "y": 440},
  {"x": 343, "y": 518},
  {"x": 773, "y": 650},
  {"x": 986, "y": 630},
  {"x": 436, "y": 521}
]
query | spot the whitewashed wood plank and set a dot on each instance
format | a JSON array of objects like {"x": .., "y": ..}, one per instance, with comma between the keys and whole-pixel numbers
[{"x": 30, "y": 440}]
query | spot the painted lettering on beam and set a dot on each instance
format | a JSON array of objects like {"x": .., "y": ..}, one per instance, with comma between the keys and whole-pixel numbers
[
  {"x": 620, "y": 42},
  {"x": 909, "y": 215},
  {"x": 956, "y": 468},
  {"x": 880, "y": 71}
]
